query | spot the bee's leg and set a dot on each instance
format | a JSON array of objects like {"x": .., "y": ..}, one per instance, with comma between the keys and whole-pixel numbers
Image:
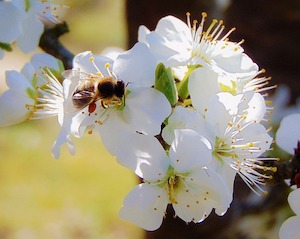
[
  {"x": 105, "y": 106},
  {"x": 92, "y": 107}
]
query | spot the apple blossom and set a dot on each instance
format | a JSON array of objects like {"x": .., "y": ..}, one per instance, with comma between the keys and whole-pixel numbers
[
  {"x": 33, "y": 93},
  {"x": 232, "y": 125},
  {"x": 22, "y": 21},
  {"x": 181, "y": 178},
  {"x": 143, "y": 109},
  {"x": 179, "y": 45}
]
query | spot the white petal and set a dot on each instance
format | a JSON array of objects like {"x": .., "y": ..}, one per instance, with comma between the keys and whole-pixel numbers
[
  {"x": 202, "y": 85},
  {"x": 182, "y": 118},
  {"x": 143, "y": 31},
  {"x": 188, "y": 206},
  {"x": 230, "y": 102},
  {"x": 145, "y": 206},
  {"x": 1, "y": 54},
  {"x": 203, "y": 191},
  {"x": 253, "y": 133},
  {"x": 13, "y": 108},
  {"x": 217, "y": 117},
  {"x": 63, "y": 137},
  {"x": 290, "y": 228},
  {"x": 112, "y": 52},
  {"x": 294, "y": 199},
  {"x": 171, "y": 41},
  {"x": 254, "y": 105},
  {"x": 136, "y": 66},
  {"x": 42, "y": 60},
  {"x": 216, "y": 192},
  {"x": 189, "y": 150},
  {"x": 146, "y": 109},
  {"x": 144, "y": 155},
  {"x": 10, "y": 22},
  {"x": 82, "y": 62},
  {"x": 17, "y": 82},
  {"x": 235, "y": 62},
  {"x": 288, "y": 134},
  {"x": 28, "y": 71},
  {"x": 32, "y": 31}
]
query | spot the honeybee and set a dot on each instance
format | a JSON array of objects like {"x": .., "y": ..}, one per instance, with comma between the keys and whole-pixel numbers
[{"x": 92, "y": 88}]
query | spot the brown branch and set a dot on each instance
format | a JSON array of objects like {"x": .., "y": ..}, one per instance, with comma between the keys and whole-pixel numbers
[{"x": 51, "y": 44}]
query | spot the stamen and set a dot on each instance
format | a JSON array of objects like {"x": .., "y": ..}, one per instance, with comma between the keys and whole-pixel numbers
[{"x": 92, "y": 60}]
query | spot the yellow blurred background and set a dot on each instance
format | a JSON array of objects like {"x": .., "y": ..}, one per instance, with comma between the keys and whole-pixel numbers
[{"x": 75, "y": 197}]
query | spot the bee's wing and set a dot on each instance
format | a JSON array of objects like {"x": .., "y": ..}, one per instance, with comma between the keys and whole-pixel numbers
[
  {"x": 77, "y": 75},
  {"x": 82, "y": 99},
  {"x": 70, "y": 73}
]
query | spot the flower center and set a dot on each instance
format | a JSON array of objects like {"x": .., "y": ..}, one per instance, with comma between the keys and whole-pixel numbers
[
  {"x": 207, "y": 42},
  {"x": 222, "y": 149},
  {"x": 174, "y": 182}
]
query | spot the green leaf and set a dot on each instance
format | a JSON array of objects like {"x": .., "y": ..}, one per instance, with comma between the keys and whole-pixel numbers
[
  {"x": 5, "y": 46},
  {"x": 165, "y": 83},
  {"x": 182, "y": 86}
]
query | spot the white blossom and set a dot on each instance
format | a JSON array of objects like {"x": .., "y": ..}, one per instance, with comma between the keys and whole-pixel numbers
[
  {"x": 142, "y": 110},
  {"x": 290, "y": 228},
  {"x": 181, "y": 178},
  {"x": 22, "y": 21},
  {"x": 179, "y": 45},
  {"x": 33, "y": 93}
]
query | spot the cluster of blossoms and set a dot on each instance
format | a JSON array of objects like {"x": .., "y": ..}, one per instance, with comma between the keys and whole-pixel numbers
[
  {"x": 22, "y": 21},
  {"x": 183, "y": 109}
]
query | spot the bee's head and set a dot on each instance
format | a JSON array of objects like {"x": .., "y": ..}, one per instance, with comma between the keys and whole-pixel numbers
[{"x": 120, "y": 89}]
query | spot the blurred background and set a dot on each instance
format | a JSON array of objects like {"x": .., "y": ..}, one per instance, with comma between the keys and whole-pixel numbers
[{"x": 78, "y": 197}]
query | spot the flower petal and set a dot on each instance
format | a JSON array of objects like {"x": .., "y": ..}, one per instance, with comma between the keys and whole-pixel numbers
[
  {"x": 290, "y": 228},
  {"x": 32, "y": 31},
  {"x": 288, "y": 134},
  {"x": 203, "y": 84},
  {"x": 146, "y": 109},
  {"x": 144, "y": 155},
  {"x": 10, "y": 22},
  {"x": 203, "y": 191},
  {"x": 189, "y": 151},
  {"x": 136, "y": 66},
  {"x": 13, "y": 108},
  {"x": 42, "y": 60},
  {"x": 293, "y": 199},
  {"x": 82, "y": 62},
  {"x": 171, "y": 42},
  {"x": 182, "y": 118},
  {"x": 145, "y": 206}
]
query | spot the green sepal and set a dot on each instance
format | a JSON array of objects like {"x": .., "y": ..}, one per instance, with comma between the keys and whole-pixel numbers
[
  {"x": 5, "y": 46},
  {"x": 27, "y": 5},
  {"x": 182, "y": 86},
  {"x": 31, "y": 93},
  {"x": 165, "y": 83}
]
